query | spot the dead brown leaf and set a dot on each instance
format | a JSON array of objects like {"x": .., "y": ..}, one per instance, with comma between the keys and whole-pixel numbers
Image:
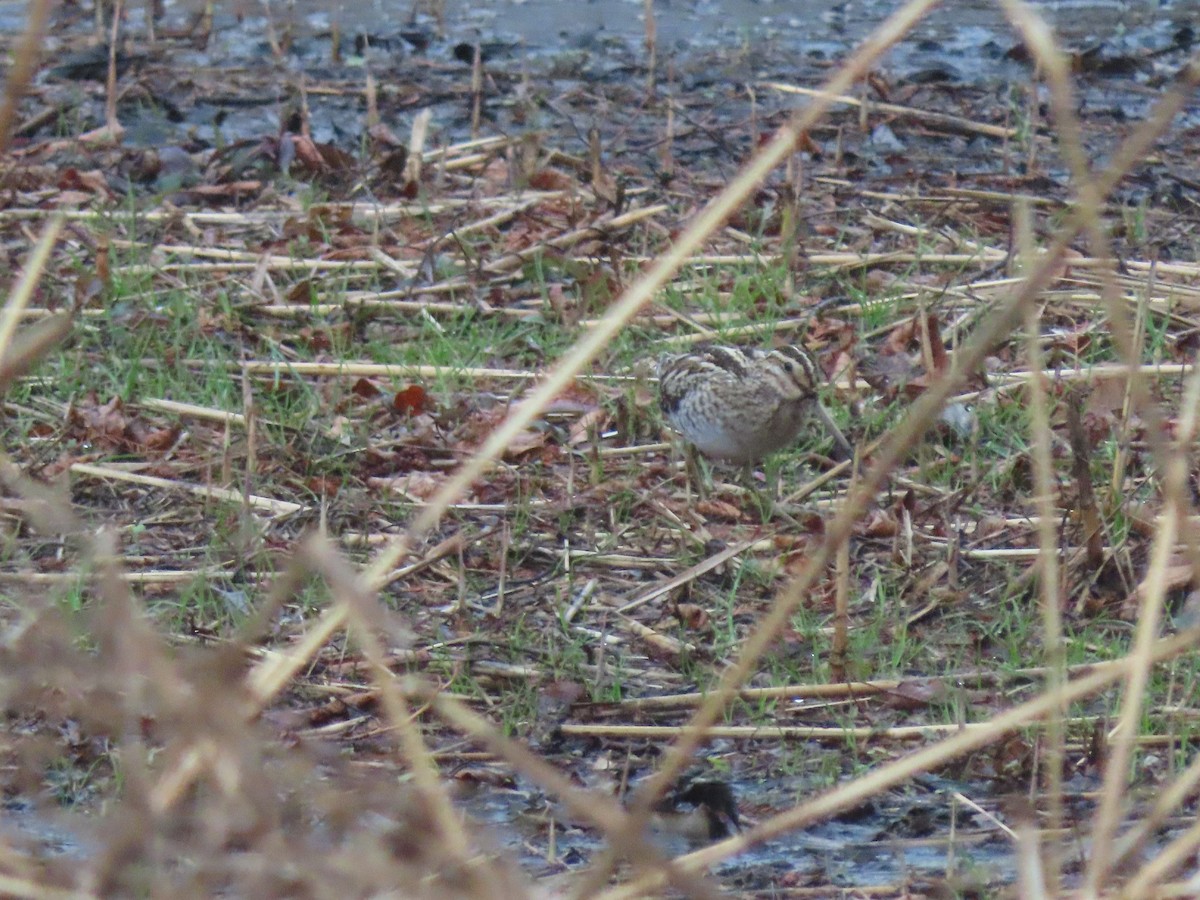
[
  {"x": 419, "y": 485},
  {"x": 526, "y": 442},
  {"x": 367, "y": 389},
  {"x": 878, "y": 523},
  {"x": 324, "y": 485},
  {"x": 551, "y": 179},
  {"x": 719, "y": 510},
  {"x": 691, "y": 616},
  {"x": 411, "y": 401}
]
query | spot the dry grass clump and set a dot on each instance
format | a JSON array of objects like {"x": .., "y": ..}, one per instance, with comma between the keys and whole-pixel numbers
[
  {"x": 209, "y": 797},
  {"x": 250, "y": 811}
]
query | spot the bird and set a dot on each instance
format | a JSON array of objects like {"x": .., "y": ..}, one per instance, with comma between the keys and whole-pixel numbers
[
  {"x": 742, "y": 404},
  {"x": 699, "y": 810}
]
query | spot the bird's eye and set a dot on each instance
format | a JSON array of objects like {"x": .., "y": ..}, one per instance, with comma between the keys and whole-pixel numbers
[{"x": 789, "y": 366}]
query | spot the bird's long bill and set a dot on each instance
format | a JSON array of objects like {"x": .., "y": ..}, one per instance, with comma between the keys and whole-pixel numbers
[{"x": 843, "y": 450}]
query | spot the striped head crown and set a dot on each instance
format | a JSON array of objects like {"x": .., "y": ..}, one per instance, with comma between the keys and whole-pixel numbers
[{"x": 793, "y": 368}]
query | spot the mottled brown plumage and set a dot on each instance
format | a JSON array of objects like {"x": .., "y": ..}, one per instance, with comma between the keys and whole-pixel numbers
[{"x": 741, "y": 404}]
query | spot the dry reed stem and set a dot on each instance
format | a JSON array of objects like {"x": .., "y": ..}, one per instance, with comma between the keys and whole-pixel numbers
[
  {"x": 841, "y": 613},
  {"x": 1166, "y": 861},
  {"x": 240, "y": 260},
  {"x": 687, "y": 576},
  {"x": 18, "y": 357},
  {"x": 1117, "y": 765},
  {"x": 31, "y": 345},
  {"x": 136, "y": 649},
  {"x": 1018, "y": 378},
  {"x": 1050, "y": 596},
  {"x": 43, "y": 506},
  {"x": 849, "y": 690},
  {"x": 651, "y": 45},
  {"x": 367, "y": 212},
  {"x": 193, "y": 411},
  {"x": 1185, "y": 785},
  {"x": 22, "y": 69},
  {"x": 387, "y": 370},
  {"x": 15, "y": 886},
  {"x": 924, "y": 760},
  {"x": 954, "y": 123},
  {"x": 267, "y": 261},
  {"x": 158, "y": 576},
  {"x": 31, "y": 274},
  {"x": 1185, "y": 890},
  {"x": 233, "y": 260},
  {"x": 377, "y": 303},
  {"x": 1031, "y": 880},
  {"x": 111, "y": 122},
  {"x": 416, "y": 145},
  {"x": 833, "y": 734},
  {"x": 842, "y": 689},
  {"x": 1167, "y": 801},
  {"x": 1037, "y": 38},
  {"x": 226, "y": 495}
]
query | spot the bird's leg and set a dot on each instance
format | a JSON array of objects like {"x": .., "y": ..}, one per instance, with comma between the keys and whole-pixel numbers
[
  {"x": 771, "y": 469},
  {"x": 771, "y": 499},
  {"x": 695, "y": 471},
  {"x": 766, "y": 496}
]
